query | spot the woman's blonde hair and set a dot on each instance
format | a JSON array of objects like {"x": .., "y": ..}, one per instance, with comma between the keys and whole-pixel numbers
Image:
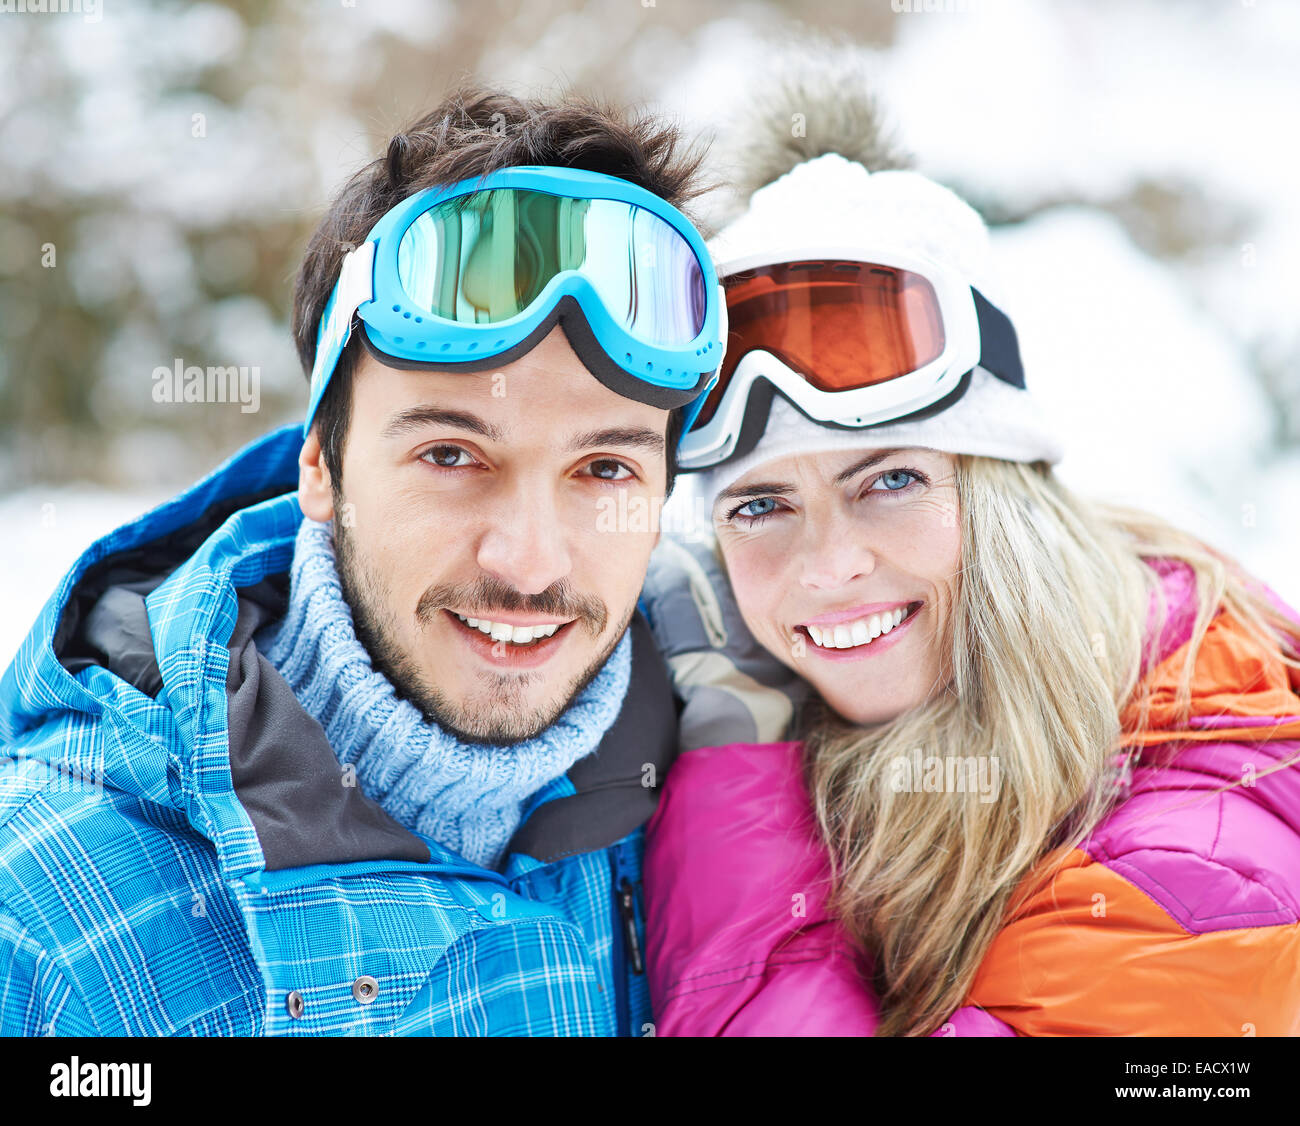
[{"x": 1046, "y": 643}]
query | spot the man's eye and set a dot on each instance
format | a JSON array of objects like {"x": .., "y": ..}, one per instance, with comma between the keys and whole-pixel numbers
[
  {"x": 609, "y": 470},
  {"x": 446, "y": 457}
]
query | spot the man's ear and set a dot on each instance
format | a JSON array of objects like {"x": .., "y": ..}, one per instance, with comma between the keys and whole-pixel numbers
[{"x": 315, "y": 495}]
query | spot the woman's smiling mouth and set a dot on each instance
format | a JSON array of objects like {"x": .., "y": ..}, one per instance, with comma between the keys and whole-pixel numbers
[{"x": 858, "y": 632}]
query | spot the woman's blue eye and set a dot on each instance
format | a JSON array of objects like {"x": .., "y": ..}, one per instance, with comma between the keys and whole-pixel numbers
[
  {"x": 760, "y": 511},
  {"x": 896, "y": 480}
]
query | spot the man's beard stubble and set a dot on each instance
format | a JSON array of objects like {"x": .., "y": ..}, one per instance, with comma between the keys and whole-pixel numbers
[{"x": 504, "y": 720}]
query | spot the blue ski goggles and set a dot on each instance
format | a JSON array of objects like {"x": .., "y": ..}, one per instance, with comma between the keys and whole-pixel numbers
[{"x": 470, "y": 277}]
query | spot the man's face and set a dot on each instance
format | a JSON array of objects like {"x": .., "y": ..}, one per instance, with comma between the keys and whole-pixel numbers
[{"x": 491, "y": 496}]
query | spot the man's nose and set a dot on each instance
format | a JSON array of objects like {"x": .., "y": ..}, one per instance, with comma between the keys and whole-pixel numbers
[{"x": 525, "y": 543}]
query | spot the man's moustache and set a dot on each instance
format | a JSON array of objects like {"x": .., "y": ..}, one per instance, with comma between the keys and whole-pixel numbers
[{"x": 557, "y": 601}]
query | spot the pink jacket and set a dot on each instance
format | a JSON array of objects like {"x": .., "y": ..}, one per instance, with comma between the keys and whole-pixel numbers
[{"x": 1200, "y": 933}]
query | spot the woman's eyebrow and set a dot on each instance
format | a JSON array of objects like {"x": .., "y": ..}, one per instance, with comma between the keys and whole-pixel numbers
[
  {"x": 866, "y": 463},
  {"x": 764, "y": 487},
  {"x": 772, "y": 488}
]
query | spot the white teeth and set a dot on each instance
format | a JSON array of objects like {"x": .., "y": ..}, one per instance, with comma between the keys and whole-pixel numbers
[
  {"x": 861, "y": 632},
  {"x": 516, "y": 635}
]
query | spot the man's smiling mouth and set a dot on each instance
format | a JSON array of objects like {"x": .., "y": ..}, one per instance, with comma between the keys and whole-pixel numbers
[{"x": 521, "y": 635}]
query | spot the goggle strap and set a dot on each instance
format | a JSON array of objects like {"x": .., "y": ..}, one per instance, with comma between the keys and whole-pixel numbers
[
  {"x": 355, "y": 285},
  {"x": 999, "y": 348},
  {"x": 693, "y": 409}
]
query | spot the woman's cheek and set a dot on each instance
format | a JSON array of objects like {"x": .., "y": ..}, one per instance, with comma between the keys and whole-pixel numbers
[
  {"x": 753, "y": 590},
  {"x": 774, "y": 635}
]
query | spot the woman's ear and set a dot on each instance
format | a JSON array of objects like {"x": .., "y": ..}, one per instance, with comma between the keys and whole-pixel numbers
[{"x": 315, "y": 492}]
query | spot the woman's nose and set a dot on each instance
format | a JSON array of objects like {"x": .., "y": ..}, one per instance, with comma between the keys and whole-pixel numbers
[{"x": 833, "y": 555}]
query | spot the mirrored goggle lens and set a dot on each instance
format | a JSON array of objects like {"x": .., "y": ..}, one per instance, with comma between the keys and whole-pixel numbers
[
  {"x": 486, "y": 257},
  {"x": 840, "y": 325}
]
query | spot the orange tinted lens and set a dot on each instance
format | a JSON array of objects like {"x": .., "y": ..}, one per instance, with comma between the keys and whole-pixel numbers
[{"x": 841, "y": 325}]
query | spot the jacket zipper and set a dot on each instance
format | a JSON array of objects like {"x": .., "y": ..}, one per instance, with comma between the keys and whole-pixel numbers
[{"x": 627, "y": 941}]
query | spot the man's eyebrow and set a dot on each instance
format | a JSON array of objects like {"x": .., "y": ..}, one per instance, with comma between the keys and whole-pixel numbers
[
  {"x": 639, "y": 436},
  {"x": 416, "y": 417},
  {"x": 776, "y": 489}
]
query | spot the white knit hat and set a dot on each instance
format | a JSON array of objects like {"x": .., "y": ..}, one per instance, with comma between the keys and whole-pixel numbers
[{"x": 831, "y": 201}]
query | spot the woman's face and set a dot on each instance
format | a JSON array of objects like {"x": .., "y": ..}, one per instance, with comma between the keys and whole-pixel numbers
[{"x": 845, "y": 566}]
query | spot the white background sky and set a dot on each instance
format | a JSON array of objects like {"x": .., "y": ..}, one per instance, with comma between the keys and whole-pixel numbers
[{"x": 1145, "y": 361}]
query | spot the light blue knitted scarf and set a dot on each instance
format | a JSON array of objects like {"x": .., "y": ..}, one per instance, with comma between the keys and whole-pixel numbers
[{"x": 467, "y": 797}]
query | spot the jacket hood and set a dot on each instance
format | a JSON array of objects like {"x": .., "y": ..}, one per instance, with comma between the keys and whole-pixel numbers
[
  {"x": 150, "y": 634},
  {"x": 41, "y": 680},
  {"x": 1239, "y": 687}
]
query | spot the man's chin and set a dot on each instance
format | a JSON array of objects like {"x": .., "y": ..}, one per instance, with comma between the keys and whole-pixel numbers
[
  {"x": 493, "y": 717},
  {"x": 503, "y": 734},
  {"x": 507, "y": 712}
]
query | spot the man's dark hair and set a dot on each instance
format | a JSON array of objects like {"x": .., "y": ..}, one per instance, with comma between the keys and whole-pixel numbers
[{"x": 471, "y": 133}]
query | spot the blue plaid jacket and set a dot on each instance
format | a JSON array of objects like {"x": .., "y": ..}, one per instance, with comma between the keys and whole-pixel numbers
[{"x": 172, "y": 865}]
